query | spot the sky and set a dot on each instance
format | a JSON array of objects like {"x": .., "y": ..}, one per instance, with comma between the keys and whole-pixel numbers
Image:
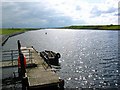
[{"x": 58, "y": 13}]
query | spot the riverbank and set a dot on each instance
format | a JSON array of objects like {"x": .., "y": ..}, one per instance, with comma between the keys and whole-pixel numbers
[
  {"x": 94, "y": 27},
  {"x": 9, "y": 32},
  {"x": 6, "y": 37}
]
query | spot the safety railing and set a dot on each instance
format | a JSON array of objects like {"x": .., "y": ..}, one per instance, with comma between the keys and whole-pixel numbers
[{"x": 11, "y": 57}]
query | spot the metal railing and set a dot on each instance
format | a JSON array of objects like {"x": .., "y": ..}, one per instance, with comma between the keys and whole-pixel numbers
[{"x": 11, "y": 56}]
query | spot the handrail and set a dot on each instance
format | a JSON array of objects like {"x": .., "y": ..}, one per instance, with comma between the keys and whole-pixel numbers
[{"x": 12, "y": 55}]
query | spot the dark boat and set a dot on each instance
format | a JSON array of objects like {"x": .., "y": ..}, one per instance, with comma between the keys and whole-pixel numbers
[{"x": 50, "y": 57}]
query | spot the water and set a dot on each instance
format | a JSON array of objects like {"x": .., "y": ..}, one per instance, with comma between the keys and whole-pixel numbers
[{"x": 89, "y": 58}]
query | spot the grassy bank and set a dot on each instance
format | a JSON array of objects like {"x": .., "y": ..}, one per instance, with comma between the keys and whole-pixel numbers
[
  {"x": 8, "y": 31},
  {"x": 99, "y": 27}
]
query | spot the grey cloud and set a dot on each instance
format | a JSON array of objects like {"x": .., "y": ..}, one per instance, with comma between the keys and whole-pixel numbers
[
  {"x": 97, "y": 12},
  {"x": 111, "y": 10},
  {"x": 32, "y": 14},
  {"x": 117, "y": 14},
  {"x": 24, "y": 14},
  {"x": 78, "y": 8}
]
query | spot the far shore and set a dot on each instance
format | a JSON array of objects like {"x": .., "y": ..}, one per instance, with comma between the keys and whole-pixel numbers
[
  {"x": 6, "y": 33},
  {"x": 9, "y": 32},
  {"x": 14, "y": 31},
  {"x": 94, "y": 27}
]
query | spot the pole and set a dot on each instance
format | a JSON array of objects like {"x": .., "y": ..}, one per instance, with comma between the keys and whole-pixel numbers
[
  {"x": 22, "y": 66},
  {"x": 19, "y": 46}
]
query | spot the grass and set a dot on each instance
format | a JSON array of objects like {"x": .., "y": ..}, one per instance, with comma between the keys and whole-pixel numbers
[
  {"x": 8, "y": 31},
  {"x": 100, "y": 27}
]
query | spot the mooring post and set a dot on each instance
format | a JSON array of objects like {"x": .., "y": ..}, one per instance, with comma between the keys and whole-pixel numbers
[{"x": 22, "y": 69}]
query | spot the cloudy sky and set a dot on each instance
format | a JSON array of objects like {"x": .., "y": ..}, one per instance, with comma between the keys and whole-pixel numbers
[{"x": 57, "y": 13}]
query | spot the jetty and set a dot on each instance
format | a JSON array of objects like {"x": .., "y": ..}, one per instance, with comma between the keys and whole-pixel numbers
[{"x": 39, "y": 74}]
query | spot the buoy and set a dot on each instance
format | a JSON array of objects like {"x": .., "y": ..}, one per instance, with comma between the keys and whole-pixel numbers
[{"x": 19, "y": 65}]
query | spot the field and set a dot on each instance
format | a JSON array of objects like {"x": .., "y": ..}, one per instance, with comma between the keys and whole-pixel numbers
[
  {"x": 8, "y": 31},
  {"x": 96, "y": 27}
]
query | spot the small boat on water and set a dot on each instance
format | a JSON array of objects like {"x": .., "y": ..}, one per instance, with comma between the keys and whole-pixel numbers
[{"x": 50, "y": 57}]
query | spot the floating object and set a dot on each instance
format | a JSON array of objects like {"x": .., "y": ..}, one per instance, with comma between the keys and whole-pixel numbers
[{"x": 50, "y": 57}]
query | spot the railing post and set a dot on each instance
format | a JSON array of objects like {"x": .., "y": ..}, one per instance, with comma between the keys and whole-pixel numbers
[
  {"x": 30, "y": 56},
  {"x": 12, "y": 56}
]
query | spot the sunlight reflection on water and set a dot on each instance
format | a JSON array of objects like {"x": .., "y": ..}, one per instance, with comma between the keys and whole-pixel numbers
[{"x": 89, "y": 58}]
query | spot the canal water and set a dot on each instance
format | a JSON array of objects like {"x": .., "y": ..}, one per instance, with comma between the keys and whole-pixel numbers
[{"x": 89, "y": 58}]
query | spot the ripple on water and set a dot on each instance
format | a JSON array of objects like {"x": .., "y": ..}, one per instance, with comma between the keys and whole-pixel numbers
[
  {"x": 69, "y": 78},
  {"x": 89, "y": 61},
  {"x": 90, "y": 75}
]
